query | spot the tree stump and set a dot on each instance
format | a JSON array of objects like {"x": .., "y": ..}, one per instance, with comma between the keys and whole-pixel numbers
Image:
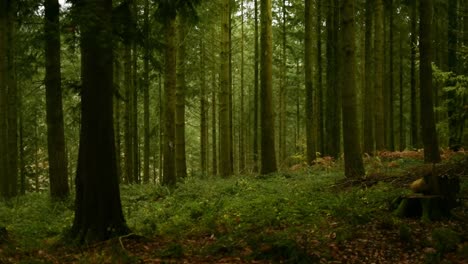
[{"x": 437, "y": 199}]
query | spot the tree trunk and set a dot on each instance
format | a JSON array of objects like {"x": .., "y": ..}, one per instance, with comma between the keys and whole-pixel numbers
[
  {"x": 414, "y": 112},
  {"x": 283, "y": 89},
  {"x": 181, "y": 163},
  {"x": 55, "y": 133},
  {"x": 332, "y": 121},
  {"x": 256, "y": 82},
  {"x": 98, "y": 210},
  {"x": 146, "y": 107},
  {"x": 354, "y": 166},
  {"x": 391, "y": 83},
  {"x": 319, "y": 88},
  {"x": 379, "y": 78},
  {"x": 267, "y": 118},
  {"x": 129, "y": 169},
  {"x": 169, "y": 172},
  {"x": 369, "y": 137},
  {"x": 309, "y": 115},
  {"x": 242, "y": 154},
  {"x": 224, "y": 113},
  {"x": 402, "y": 101},
  {"x": 203, "y": 110},
  {"x": 453, "y": 101},
  {"x": 429, "y": 135}
]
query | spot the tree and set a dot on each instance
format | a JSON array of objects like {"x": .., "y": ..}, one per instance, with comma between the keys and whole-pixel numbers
[
  {"x": 256, "y": 82},
  {"x": 379, "y": 79},
  {"x": 267, "y": 119},
  {"x": 225, "y": 164},
  {"x": 98, "y": 210},
  {"x": 428, "y": 133},
  {"x": 354, "y": 166},
  {"x": 332, "y": 101},
  {"x": 170, "y": 54},
  {"x": 368, "y": 83},
  {"x": 8, "y": 101},
  {"x": 319, "y": 88},
  {"x": 55, "y": 133},
  {"x": 308, "y": 82},
  {"x": 180, "y": 157},
  {"x": 413, "y": 94},
  {"x": 146, "y": 87}
]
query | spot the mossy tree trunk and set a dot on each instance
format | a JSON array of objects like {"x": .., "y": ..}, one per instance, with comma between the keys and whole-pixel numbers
[
  {"x": 98, "y": 210},
  {"x": 267, "y": 118}
]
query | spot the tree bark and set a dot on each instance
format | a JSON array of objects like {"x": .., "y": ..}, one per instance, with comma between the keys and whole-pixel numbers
[
  {"x": 267, "y": 118},
  {"x": 146, "y": 85},
  {"x": 256, "y": 82},
  {"x": 310, "y": 144},
  {"x": 369, "y": 138},
  {"x": 169, "y": 172},
  {"x": 55, "y": 131},
  {"x": 429, "y": 135},
  {"x": 379, "y": 78},
  {"x": 413, "y": 90},
  {"x": 181, "y": 162},
  {"x": 98, "y": 210},
  {"x": 224, "y": 94},
  {"x": 354, "y": 166}
]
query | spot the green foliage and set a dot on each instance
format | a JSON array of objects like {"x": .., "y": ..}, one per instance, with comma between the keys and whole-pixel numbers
[{"x": 445, "y": 239}]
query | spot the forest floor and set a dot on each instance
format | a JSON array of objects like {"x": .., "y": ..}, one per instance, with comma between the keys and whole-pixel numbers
[{"x": 300, "y": 215}]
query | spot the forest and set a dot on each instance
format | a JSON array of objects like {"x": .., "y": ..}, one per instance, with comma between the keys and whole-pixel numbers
[{"x": 233, "y": 131}]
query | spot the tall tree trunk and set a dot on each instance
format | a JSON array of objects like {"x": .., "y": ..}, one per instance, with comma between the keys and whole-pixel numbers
[
  {"x": 429, "y": 135},
  {"x": 181, "y": 163},
  {"x": 146, "y": 107},
  {"x": 332, "y": 121},
  {"x": 267, "y": 118},
  {"x": 224, "y": 113},
  {"x": 169, "y": 172},
  {"x": 129, "y": 169},
  {"x": 55, "y": 133},
  {"x": 309, "y": 115},
  {"x": 256, "y": 82},
  {"x": 214, "y": 145},
  {"x": 379, "y": 77},
  {"x": 414, "y": 142},
  {"x": 369, "y": 137},
  {"x": 391, "y": 90},
  {"x": 354, "y": 166},
  {"x": 452, "y": 99},
  {"x": 98, "y": 210},
  {"x": 242, "y": 154},
  {"x": 319, "y": 94},
  {"x": 8, "y": 101},
  {"x": 402, "y": 101},
  {"x": 203, "y": 109},
  {"x": 283, "y": 89}
]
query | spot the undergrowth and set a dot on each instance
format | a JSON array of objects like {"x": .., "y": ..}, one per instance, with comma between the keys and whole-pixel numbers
[{"x": 269, "y": 215}]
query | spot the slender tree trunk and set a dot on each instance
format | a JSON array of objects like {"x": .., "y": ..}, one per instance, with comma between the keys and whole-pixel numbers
[
  {"x": 429, "y": 135},
  {"x": 242, "y": 154},
  {"x": 369, "y": 138},
  {"x": 214, "y": 144},
  {"x": 224, "y": 113},
  {"x": 354, "y": 166},
  {"x": 98, "y": 210},
  {"x": 146, "y": 107},
  {"x": 203, "y": 109},
  {"x": 169, "y": 172},
  {"x": 129, "y": 170},
  {"x": 181, "y": 163},
  {"x": 309, "y": 115},
  {"x": 332, "y": 121},
  {"x": 391, "y": 90},
  {"x": 55, "y": 133},
  {"x": 4, "y": 180},
  {"x": 453, "y": 101},
  {"x": 161, "y": 129},
  {"x": 267, "y": 118},
  {"x": 414, "y": 112},
  {"x": 319, "y": 88},
  {"x": 402, "y": 101},
  {"x": 283, "y": 89},
  {"x": 256, "y": 82},
  {"x": 379, "y": 77}
]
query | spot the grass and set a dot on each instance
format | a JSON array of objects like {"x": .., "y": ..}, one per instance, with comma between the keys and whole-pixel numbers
[{"x": 282, "y": 216}]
